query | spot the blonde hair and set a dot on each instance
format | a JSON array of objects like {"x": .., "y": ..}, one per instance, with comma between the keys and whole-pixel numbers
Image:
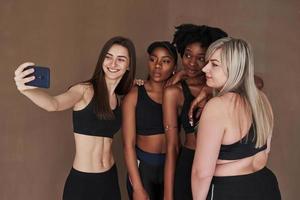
[{"x": 237, "y": 55}]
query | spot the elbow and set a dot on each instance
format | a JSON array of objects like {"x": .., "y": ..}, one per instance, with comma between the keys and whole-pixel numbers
[
  {"x": 52, "y": 107},
  {"x": 128, "y": 148},
  {"x": 199, "y": 176}
]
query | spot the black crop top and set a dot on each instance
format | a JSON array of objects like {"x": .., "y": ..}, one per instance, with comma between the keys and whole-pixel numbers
[
  {"x": 86, "y": 122},
  {"x": 149, "y": 118},
  {"x": 241, "y": 149},
  {"x": 183, "y": 117}
]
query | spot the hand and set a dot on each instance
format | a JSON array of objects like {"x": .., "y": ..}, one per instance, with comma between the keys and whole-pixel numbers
[
  {"x": 178, "y": 76},
  {"x": 140, "y": 194},
  {"x": 259, "y": 82},
  {"x": 20, "y": 75},
  {"x": 139, "y": 82},
  {"x": 197, "y": 105}
]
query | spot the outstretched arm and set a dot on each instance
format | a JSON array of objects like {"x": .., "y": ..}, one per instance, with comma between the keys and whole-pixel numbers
[{"x": 43, "y": 99}]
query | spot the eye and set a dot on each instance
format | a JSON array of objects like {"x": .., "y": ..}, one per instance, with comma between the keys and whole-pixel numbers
[
  {"x": 187, "y": 55},
  {"x": 214, "y": 65},
  {"x": 108, "y": 56},
  {"x": 201, "y": 59},
  {"x": 121, "y": 60},
  {"x": 166, "y": 61},
  {"x": 152, "y": 59}
]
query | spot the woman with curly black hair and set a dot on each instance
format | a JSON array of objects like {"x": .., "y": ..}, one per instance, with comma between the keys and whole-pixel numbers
[{"x": 191, "y": 42}]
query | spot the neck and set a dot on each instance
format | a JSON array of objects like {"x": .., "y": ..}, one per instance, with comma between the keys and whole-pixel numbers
[
  {"x": 156, "y": 86},
  {"x": 111, "y": 85},
  {"x": 198, "y": 80}
]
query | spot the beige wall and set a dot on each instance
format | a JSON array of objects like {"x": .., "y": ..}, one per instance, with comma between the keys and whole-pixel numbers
[{"x": 37, "y": 148}]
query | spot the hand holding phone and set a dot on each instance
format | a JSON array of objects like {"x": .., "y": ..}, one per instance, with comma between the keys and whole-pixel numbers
[
  {"x": 41, "y": 76},
  {"x": 28, "y": 76}
]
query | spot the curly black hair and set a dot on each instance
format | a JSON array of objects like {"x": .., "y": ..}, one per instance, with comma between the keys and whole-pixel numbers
[{"x": 186, "y": 34}]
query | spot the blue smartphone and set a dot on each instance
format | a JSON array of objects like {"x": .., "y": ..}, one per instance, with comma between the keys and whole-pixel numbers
[{"x": 42, "y": 77}]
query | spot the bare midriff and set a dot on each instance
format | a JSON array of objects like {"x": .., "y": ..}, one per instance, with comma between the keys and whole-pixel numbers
[
  {"x": 93, "y": 153},
  {"x": 152, "y": 143},
  {"x": 190, "y": 141}
]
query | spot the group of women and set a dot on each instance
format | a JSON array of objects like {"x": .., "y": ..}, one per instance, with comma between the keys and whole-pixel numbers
[{"x": 222, "y": 156}]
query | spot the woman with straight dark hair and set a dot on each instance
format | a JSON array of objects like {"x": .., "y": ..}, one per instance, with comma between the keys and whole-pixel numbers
[
  {"x": 96, "y": 118},
  {"x": 235, "y": 130}
]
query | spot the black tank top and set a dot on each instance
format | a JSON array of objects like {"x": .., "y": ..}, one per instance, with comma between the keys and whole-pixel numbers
[
  {"x": 241, "y": 149},
  {"x": 86, "y": 122},
  {"x": 183, "y": 117},
  {"x": 149, "y": 119}
]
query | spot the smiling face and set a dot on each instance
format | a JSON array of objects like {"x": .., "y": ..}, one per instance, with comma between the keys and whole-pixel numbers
[
  {"x": 215, "y": 71},
  {"x": 193, "y": 59},
  {"x": 116, "y": 62},
  {"x": 161, "y": 64}
]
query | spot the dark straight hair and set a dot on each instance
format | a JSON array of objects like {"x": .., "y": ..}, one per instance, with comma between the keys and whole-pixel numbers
[{"x": 101, "y": 96}]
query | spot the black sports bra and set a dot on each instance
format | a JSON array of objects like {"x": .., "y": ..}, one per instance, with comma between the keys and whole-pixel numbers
[
  {"x": 241, "y": 149},
  {"x": 86, "y": 122},
  {"x": 183, "y": 117},
  {"x": 148, "y": 114}
]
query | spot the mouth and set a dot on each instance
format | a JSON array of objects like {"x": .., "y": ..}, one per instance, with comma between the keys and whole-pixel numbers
[
  {"x": 112, "y": 70},
  {"x": 191, "y": 71}
]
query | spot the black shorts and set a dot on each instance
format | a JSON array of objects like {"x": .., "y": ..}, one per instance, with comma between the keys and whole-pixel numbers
[
  {"x": 92, "y": 186},
  {"x": 182, "y": 179},
  {"x": 260, "y": 185}
]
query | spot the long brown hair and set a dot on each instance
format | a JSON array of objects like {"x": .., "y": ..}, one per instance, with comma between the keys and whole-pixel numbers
[{"x": 102, "y": 107}]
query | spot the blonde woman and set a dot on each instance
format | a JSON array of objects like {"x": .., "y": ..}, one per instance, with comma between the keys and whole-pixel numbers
[{"x": 235, "y": 129}]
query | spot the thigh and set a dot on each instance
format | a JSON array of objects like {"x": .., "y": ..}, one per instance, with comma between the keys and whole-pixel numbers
[
  {"x": 110, "y": 185},
  {"x": 182, "y": 179},
  {"x": 74, "y": 187}
]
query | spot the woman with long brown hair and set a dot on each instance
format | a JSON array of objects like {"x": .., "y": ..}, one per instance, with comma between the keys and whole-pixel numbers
[{"x": 96, "y": 118}]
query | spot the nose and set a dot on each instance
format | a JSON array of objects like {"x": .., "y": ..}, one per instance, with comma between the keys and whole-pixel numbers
[
  {"x": 205, "y": 69},
  {"x": 158, "y": 64},
  {"x": 114, "y": 63},
  {"x": 193, "y": 62}
]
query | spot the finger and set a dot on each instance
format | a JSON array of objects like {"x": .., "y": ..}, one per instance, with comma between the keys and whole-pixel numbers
[
  {"x": 25, "y": 87},
  {"x": 22, "y": 67},
  {"x": 168, "y": 83},
  {"x": 28, "y": 79},
  {"x": 25, "y": 73},
  {"x": 198, "y": 113}
]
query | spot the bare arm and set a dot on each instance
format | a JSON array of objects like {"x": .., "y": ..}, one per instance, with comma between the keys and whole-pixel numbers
[
  {"x": 199, "y": 103},
  {"x": 43, "y": 99},
  {"x": 178, "y": 76},
  {"x": 209, "y": 140},
  {"x": 170, "y": 103},
  {"x": 129, "y": 141}
]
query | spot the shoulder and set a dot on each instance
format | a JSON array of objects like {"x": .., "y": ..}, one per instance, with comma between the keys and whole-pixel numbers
[
  {"x": 81, "y": 88},
  {"x": 219, "y": 106},
  {"x": 173, "y": 90},
  {"x": 131, "y": 97},
  {"x": 215, "y": 104}
]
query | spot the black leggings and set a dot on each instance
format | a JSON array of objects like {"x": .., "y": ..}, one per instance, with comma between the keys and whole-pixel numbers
[
  {"x": 260, "y": 185},
  {"x": 151, "y": 170},
  {"x": 182, "y": 179},
  {"x": 92, "y": 186}
]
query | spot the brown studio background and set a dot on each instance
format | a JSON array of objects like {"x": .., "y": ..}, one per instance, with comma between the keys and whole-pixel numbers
[{"x": 37, "y": 148}]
